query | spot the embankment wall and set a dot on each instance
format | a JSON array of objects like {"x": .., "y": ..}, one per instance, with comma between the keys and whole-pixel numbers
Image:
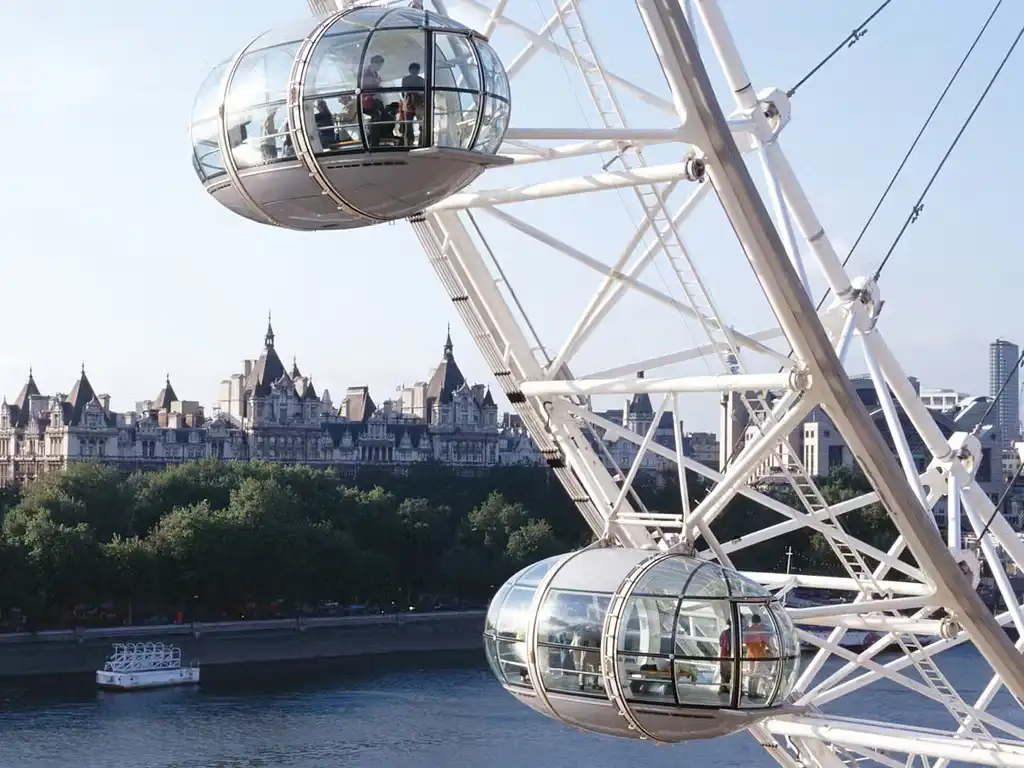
[{"x": 84, "y": 651}]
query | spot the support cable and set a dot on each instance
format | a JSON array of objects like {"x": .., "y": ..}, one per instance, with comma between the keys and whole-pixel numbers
[
  {"x": 1002, "y": 500},
  {"x": 913, "y": 146},
  {"x": 910, "y": 151},
  {"x": 915, "y": 212},
  {"x": 848, "y": 42}
]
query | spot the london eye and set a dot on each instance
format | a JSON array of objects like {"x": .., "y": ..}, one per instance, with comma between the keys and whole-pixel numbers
[{"x": 373, "y": 112}]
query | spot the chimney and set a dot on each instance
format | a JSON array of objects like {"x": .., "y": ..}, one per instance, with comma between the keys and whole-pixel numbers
[
  {"x": 246, "y": 368},
  {"x": 104, "y": 401}
]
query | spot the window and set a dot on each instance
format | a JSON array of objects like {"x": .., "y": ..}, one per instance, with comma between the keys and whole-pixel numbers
[{"x": 835, "y": 456}]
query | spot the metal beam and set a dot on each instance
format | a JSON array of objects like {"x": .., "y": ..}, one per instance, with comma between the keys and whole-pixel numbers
[{"x": 694, "y": 95}]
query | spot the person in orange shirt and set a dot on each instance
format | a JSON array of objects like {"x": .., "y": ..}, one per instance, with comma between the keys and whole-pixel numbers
[
  {"x": 756, "y": 643},
  {"x": 755, "y": 638}
]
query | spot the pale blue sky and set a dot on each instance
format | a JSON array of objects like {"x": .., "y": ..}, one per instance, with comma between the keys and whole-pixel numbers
[{"x": 113, "y": 255}]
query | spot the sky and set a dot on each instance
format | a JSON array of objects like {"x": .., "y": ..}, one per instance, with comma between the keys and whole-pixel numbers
[{"x": 114, "y": 256}]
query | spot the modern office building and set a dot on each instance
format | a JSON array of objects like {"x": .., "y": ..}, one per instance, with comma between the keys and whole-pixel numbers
[{"x": 1002, "y": 366}]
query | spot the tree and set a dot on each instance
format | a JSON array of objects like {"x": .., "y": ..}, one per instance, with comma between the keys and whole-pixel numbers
[
  {"x": 88, "y": 492},
  {"x": 533, "y": 541},
  {"x": 131, "y": 572},
  {"x": 495, "y": 519},
  {"x": 16, "y": 583},
  {"x": 156, "y": 494},
  {"x": 216, "y": 537},
  {"x": 204, "y": 556},
  {"x": 65, "y": 561}
]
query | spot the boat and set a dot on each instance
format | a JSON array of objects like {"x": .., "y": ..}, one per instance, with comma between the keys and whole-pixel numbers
[{"x": 135, "y": 666}]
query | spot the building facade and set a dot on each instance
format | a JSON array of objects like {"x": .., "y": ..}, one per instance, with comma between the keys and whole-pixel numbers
[
  {"x": 820, "y": 447},
  {"x": 271, "y": 412}
]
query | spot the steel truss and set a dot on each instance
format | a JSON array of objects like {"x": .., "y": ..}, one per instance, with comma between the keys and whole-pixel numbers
[{"x": 787, "y": 248}]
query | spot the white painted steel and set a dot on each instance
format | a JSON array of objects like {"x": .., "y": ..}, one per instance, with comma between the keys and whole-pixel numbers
[{"x": 535, "y": 369}]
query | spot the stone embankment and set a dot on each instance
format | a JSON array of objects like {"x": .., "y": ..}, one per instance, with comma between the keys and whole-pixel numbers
[{"x": 243, "y": 642}]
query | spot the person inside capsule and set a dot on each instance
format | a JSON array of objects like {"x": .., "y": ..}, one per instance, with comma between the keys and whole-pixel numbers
[
  {"x": 373, "y": 106},
  {"x": 413, "y": 90},
  {"x": 268, "y": 143},
  {"x": 347, "y": 118},
  {"x": 725, "y": 665},
  {"x": 587, "y": 638},
  {"x": 756, "y": 643}
]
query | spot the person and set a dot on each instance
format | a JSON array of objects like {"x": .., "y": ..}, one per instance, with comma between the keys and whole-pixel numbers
[
  {"x": 755, "y": 639},
  {"x": 324, "y": 119},
  {"x": 268, "y": 144},
  {"x": 347, "y": 118},
  {"x": 371, "y": 73},
  {"x": 287, "y": 148},
  {"x": 413, "y": 97},
  {"x": 725, "y": 652},
  {"x": 373, "y": 106}
]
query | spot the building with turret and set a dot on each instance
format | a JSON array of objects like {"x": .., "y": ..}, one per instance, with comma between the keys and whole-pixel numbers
[
  {"x": 266, "y": 411},
  {"x": 273, "y": 412},
  {"x": 637, "y": 416}
]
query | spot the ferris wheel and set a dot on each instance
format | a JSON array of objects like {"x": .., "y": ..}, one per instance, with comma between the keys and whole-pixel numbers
[{"x": 378, "y": 111}]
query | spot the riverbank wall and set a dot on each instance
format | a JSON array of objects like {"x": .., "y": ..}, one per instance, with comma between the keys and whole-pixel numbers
[{"x": 67, "y": 652}]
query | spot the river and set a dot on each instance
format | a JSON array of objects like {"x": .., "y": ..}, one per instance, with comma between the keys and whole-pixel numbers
[{"x": 434, "y": 711}]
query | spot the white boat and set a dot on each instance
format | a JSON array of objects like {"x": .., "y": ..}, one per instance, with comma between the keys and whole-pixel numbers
[{"x": 134, "y": 666}]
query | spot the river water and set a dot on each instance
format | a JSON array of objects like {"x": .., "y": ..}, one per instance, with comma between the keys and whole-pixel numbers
[{"x": 434, "y": 711}]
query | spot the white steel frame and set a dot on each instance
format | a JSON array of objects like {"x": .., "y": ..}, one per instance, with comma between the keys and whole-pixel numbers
[{"x": 554, "y": 404}]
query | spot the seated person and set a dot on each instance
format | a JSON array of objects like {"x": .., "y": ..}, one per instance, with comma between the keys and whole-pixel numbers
[
  {"x": 324, "y": 120},
  {"x": 347, "y": 118}
]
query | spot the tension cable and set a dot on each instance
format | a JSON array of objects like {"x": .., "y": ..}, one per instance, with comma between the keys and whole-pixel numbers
[
  {"x": 848, "y": 42},
  {"x": 915, "y": 212},
  {"x": 913, "y": 146}
]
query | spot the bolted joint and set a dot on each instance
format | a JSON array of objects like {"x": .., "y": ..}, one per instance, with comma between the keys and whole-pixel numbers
[
  {"x": 800, "y": 380},
  {"x": 949, "y": 628},
  {"x": 696, "y": 168}
]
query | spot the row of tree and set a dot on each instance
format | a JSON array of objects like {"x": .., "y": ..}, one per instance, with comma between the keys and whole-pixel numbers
[{"x": 212, "y": 539}]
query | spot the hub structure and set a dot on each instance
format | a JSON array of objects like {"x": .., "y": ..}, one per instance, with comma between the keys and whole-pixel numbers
[{"x": 619, "y": 252}]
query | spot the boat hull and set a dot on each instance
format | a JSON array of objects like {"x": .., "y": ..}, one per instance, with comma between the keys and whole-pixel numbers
[{"x": 156, "y": 678}]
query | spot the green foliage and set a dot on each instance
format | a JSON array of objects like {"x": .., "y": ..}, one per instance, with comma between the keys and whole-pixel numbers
[{"x": 220, "y": 540}]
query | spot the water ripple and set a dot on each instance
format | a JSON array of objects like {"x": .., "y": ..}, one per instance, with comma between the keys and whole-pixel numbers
[{"x": 419, "y": 716}]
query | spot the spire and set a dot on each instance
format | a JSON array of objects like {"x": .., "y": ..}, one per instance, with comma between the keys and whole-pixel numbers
[
  {"x": 167, "y": 395},
  {"x": 448, "y": 344},
  {"x": 27, "y": 391},
  {"x": 268, "y": 340},
  {"x": 296, "y": 373}
]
